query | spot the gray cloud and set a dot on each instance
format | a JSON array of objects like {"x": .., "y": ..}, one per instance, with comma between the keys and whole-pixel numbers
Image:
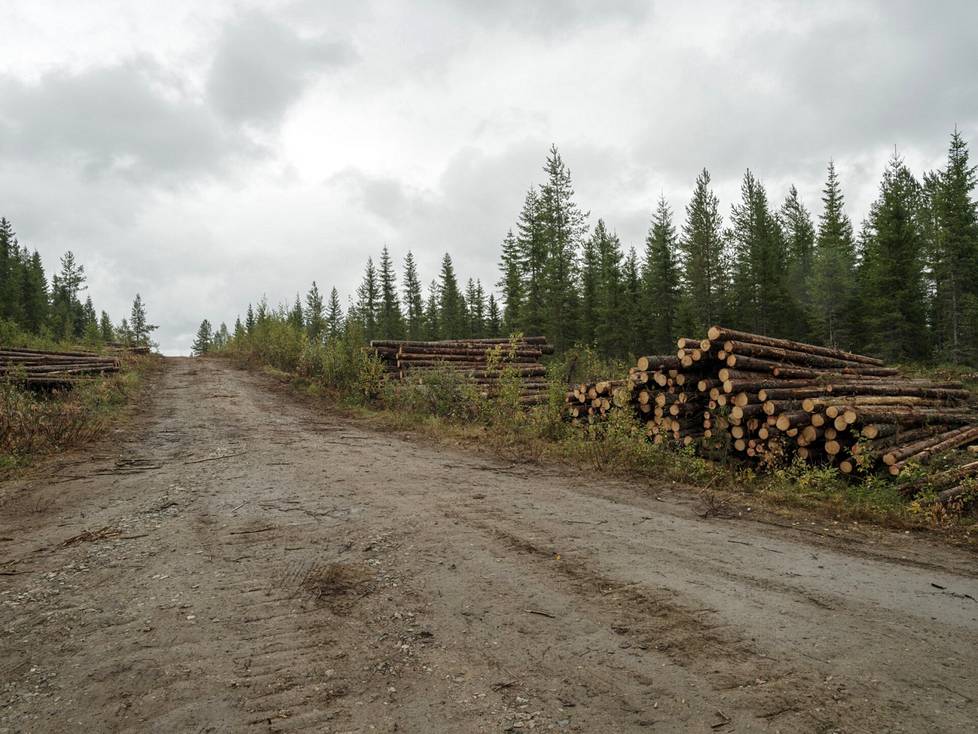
[
  {"x": 131, "y": 119},
  {"x": 262, "y": 66}
]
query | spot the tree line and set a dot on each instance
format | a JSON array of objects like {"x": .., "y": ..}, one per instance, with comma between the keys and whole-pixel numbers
[
  {"x": 903, "y": 286},
  {"x": 31, "y": 305}
]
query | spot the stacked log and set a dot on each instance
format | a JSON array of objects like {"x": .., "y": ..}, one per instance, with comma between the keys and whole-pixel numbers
[
  {"x": 592, "y": 401},
  {"x": 482, "y": 362},
  {"x": 52, "y": 368},
  {"x": 775, "y": 399}
]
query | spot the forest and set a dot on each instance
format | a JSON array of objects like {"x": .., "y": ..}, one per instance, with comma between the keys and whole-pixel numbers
[
  {"x": 33, "y": 309},
  {"x": 903, "y": 285}
]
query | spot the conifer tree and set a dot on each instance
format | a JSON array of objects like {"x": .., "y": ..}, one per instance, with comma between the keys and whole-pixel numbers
[
  {"x": 632, "y": 319},
  {"x": 702, "y": 260},
  {"x": 141, "y": 329},
  {"x": 296, "y": 318},
  {"x": 203, "y": 340},
  {"x": 475, "y": 301},
  {"x": 10, "y": 276},
  {"x": 799, "y": 236},
  {"x": 334, "y": 315},
  {"x": 511, "y": 265},
  {"x": 564, "y": 226},
  {"x": 315, "y": 314},
  {"x": 453, "y": 317},
  {"x": 532, "y": 248},
  {"x": 90, "y": 321},
  {"x": 35, "y": 295},
  {"x": 660, "y": 282},
  {"x": 124, "y": 332},
  {"x": 391, "y": 324},
  {"x": 250, "y": 319},
  {"x": 368, "y": 300},
  {"x": 239, "y": 330},
  {"x": 832, "y": 283},
  {"x": 608, "y": 337},
  {"x": 893, "y": 305},
  {"x": 106, "y": 332},
  {"x": 761, "y": 302},
  {"x": 432, "y": 313},
  {"x": 493, "y": 318},
  {"x": 413, "y": 299},
  {"x": 954, "y": 255},
  {"x": 67, "y": 313},
  {"x": 590, "y": 276}
]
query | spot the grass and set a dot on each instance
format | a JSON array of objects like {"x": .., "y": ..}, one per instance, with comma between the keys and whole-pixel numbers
[
  {"x": 449, "y": 409},
  {"x": 35, "y": 424}
]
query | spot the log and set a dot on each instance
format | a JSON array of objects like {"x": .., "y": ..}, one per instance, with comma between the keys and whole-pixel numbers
[{"x": 719, "y": 333}]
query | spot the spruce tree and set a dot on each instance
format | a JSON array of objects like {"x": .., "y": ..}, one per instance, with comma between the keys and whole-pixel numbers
[
  {"x": 413, "y": 299},
  {"x": 203, "y": 340},
  {"x": 892, "y": 269},
  {"x": 432, "y": 313},
  {"x": 124, "y": 332},
  {"x": 90, "y": 321},
  {"x": 475, "y": 302},
  {"x": 702, "y": 260},
  {"x": 954, "y": 256},
  {"x": 67, "y": 313},
  {"x": 106, "y": 332},
  {"x": 660, "y": 282},
  {"x": 10, "y": 274},
  {"x": 368, "y": 301},
  {"x": 334, "y": 315},
  {"x": 532, "y": 248},
  {"x": 250, "y": 319},
  {"x": 239, "y": 330},
  {"x": 35, "y": 295},
  {"x": 315, "y": 314},
  {"x": 832, "y": 285},
  {"x": 760, "y": 301},
  {"x": 564, "y": 226},
  {"x": 493, "y": 318},
  {"x": 141, "y": 329},
  {"x": 799, "y": 236},
  {"x": 453, "y": 316},
  {"x": 590, "y": 276},
  {"x": 391, "y": 324},
  {"x": 296, "y": 318},
  {"x": 511, "y": 265},
  {"x": 632, "y": 319},
  {"x": 608, "y": 337}
]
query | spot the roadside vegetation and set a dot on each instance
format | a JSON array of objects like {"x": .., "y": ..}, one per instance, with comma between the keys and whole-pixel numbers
[
  {"x": 448, "y": 407},
  {"x": 894, "y": 290}
]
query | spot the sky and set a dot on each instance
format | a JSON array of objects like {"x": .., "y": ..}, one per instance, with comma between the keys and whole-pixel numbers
[{"x": 205, "y": 154}]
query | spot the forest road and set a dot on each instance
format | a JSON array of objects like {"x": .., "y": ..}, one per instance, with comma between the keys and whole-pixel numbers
[{"x": 232, "y": 560}]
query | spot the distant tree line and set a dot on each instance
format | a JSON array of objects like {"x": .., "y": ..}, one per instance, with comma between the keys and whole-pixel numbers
[
  {"x": 30, "y": 305},
  {"x": 903, "y": 287}
]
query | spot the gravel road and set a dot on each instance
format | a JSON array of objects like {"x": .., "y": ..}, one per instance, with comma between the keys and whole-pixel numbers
[{"x": 231, "y": 560}]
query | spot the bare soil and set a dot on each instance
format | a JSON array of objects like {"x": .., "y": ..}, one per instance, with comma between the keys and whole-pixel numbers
[{"x": 234, "y": 560}]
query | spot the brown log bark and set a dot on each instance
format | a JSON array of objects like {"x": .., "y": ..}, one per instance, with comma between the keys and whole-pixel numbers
[{"x": 719, "y": 333}]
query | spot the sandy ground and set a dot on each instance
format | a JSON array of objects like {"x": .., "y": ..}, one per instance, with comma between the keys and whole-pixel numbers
[{"x": 232, "y": 560}]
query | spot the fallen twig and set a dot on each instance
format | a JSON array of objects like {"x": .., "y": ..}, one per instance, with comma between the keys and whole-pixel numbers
[{"x": 541, "y": 613}]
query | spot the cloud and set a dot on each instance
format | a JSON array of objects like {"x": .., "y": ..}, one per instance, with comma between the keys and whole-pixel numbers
[
  {"x": 132, "y": 119},
  {"x": 262, "y": 66}
]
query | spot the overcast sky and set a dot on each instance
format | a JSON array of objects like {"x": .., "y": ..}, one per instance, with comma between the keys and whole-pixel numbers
[{"x": 205, "y": 153}]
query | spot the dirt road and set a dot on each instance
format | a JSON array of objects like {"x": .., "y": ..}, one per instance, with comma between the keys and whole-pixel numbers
[{"x": 234, "y": 561}]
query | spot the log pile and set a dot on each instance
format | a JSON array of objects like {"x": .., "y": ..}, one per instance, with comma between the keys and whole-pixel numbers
[
  {"x": 52, "y": 369},
  {"x": 772, "y": 399},
  {"x": 592, "y": 401},
  {"x": 482, "y": 362}
]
